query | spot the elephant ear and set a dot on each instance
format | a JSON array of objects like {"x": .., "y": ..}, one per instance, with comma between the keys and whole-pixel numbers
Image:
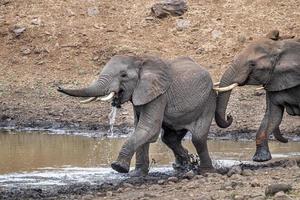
[
  {"x": 155, "y": 79},
  {"x": 287, "y": 70}
]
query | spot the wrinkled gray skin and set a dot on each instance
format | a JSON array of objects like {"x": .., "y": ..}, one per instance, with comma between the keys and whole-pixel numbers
[
  {"x": 276, "y": 66},
  {"x": 176, "y": 96}
]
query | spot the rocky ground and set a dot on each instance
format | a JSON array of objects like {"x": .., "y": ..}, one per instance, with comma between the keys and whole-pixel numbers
[
  {"x": 49, "y": 43},
  {"x": 278, "y": 180}
]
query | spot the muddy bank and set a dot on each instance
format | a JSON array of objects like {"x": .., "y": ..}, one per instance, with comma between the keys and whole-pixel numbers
[{"x": 226, "y": 183}]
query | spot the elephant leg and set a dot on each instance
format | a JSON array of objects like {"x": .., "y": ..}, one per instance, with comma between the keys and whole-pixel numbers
[
  {"x": 142, "y": 161},
  {"x": 199, "y": 139},
  {"x": 173, "y": 140},
  {"x": 270, "y": 123},
  {"x": 147, "y": 130}
]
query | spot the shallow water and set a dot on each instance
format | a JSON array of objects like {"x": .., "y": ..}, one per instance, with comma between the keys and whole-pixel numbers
[{"x": 40, "y": 158}]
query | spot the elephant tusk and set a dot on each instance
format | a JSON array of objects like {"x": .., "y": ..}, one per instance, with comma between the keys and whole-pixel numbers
[
  {"x": 108, "y": 97},
  {"x": 259, "y": 88},
  {"x": 217, "y": 84},
  {"x": 225, "y": 89},
  {"x": 89, "y": 100}
]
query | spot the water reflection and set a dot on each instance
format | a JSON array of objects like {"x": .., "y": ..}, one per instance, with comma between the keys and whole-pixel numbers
[{"x": 30, "y": 151}]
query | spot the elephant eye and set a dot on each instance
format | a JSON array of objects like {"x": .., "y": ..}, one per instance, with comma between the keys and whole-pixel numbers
[
  {"x": 123, "y": 74},
  {"x": 252, "y": 63}
]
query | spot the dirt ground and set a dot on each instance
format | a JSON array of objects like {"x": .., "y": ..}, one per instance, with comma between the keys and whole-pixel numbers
[
  {"x": 49, "y": 43},
  {"x": 67, "y": 42}
]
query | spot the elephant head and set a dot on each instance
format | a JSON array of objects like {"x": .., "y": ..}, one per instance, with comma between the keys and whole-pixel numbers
[
  {"x": 128, "y": 78},
  {"x": 273, "y": 64}
]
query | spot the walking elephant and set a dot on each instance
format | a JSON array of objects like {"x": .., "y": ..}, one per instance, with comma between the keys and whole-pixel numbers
[
  {"x": 176, "y": 96},
  {"x": 276, "y": 66}
]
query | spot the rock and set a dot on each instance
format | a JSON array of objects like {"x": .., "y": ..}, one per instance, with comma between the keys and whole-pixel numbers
[
  {"x": 18, "y": 30},
  {"x": 169, "y": 7},
  {"x": 216, "y": 34},
  {"x": 25, "y": 51},
  {"x": 161, "y": 182},
  {"x": 88, "y": 197},
  {"x": 200, "y": 50},
  {"x": 241, "y": 38},
  {"x": 151, "y": 195},
  {"x": 154, "y": 187},
  {"x": 282, "y": 196},
  {"x": 36, "y": 21},
  {"x": 260, "y": 197},
  {"x": 4, "y": 2},
  {"x": 273, "y": 35},
  {"x": 204, "y": 197},
  {"x": 274, "y": 188},
  {"x": 199, "y": 177},
  {"x": 92, "y": 11},
  {"x": 173, "y": 179},
  {"x": 234, "y": 170},
  {"x": 255, "y": 183},
  {"x": 291, "y": 164},
  {"x": 189, "y": 175},
  {"x": 109, "y": 193},
  {"x": 247, "y": 172},
  {"x": 127, "y": 185},
  {"x": 182, "y": 24}
]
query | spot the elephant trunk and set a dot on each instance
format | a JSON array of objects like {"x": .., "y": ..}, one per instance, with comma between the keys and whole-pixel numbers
[
  {"x": 96, "y": 89},
  {"x": 223, "y": 98}
]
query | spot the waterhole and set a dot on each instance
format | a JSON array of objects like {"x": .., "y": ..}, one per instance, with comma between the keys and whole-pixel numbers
[{"x": 40, "y": 158}]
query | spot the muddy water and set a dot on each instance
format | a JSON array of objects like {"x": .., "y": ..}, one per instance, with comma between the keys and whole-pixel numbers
[{"x": 32, "y": 151}]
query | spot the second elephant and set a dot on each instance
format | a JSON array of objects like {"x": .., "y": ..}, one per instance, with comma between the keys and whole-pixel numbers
[
  {"x": 276, "y": 66},
  {"x": 176, "y": 96}
]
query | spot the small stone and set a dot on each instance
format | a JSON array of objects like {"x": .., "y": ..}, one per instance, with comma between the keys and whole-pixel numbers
[
  {"x": 169, "y": 7},
  {"x": 241, "y": 38},
  {"x": 255, "y": 183},
  {"x": 282, "y": 196},
  {"x": 199, "y": 177},
  {"x": 291, "y": 164},
  {"x": 120, "y": 190},
  {"x": 109, "y": 193},
  {"x": 25, "y": 51},
  {"x": 238, "y": 197},
  {"x": 182, "y": 24},
  {"x": 88, "y": 197},
  {"x": 149, "y": 18},
  {"x": 18, "y": 30},
  {"x": 154, "y": 187},
  {"x": 173, "y": 179},
  {"x": 247, "y": 172},
  {"x": 127, "y": 185},
  {"x": 151, "y": 195},
  {"x": 274, "y": 188},
  {"x": 189, "y": 175},
  {"x": 234, "y": 170},
  {"x": 93, "y": 11},
  {"x": 36, "y": 21},
  {"x": 161, "y": 182},
  {"x": 205, "y": 197},
  {"x": 216, "y": 34},
  {"x": 200, "y": 50}
]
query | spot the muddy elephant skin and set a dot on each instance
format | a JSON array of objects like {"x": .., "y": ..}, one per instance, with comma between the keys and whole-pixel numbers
[
  {"x": 175, "y": 96},
  {"x": 274, "y": 64}
]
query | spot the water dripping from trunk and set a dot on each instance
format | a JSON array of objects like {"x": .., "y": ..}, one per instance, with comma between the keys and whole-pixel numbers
[{"x": 112, "y": 119}]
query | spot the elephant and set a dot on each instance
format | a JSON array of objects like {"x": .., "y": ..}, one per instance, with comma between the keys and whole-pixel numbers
[
  {"x": 176, "y": 96},
  {"x": 275, "y": 64}
]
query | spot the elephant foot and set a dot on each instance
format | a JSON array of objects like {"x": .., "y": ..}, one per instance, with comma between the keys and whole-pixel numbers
[
  {"x": 262, "y": 154},
  {"x": 138, "y": 172},
  {"x": 120, "y": 167}
]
